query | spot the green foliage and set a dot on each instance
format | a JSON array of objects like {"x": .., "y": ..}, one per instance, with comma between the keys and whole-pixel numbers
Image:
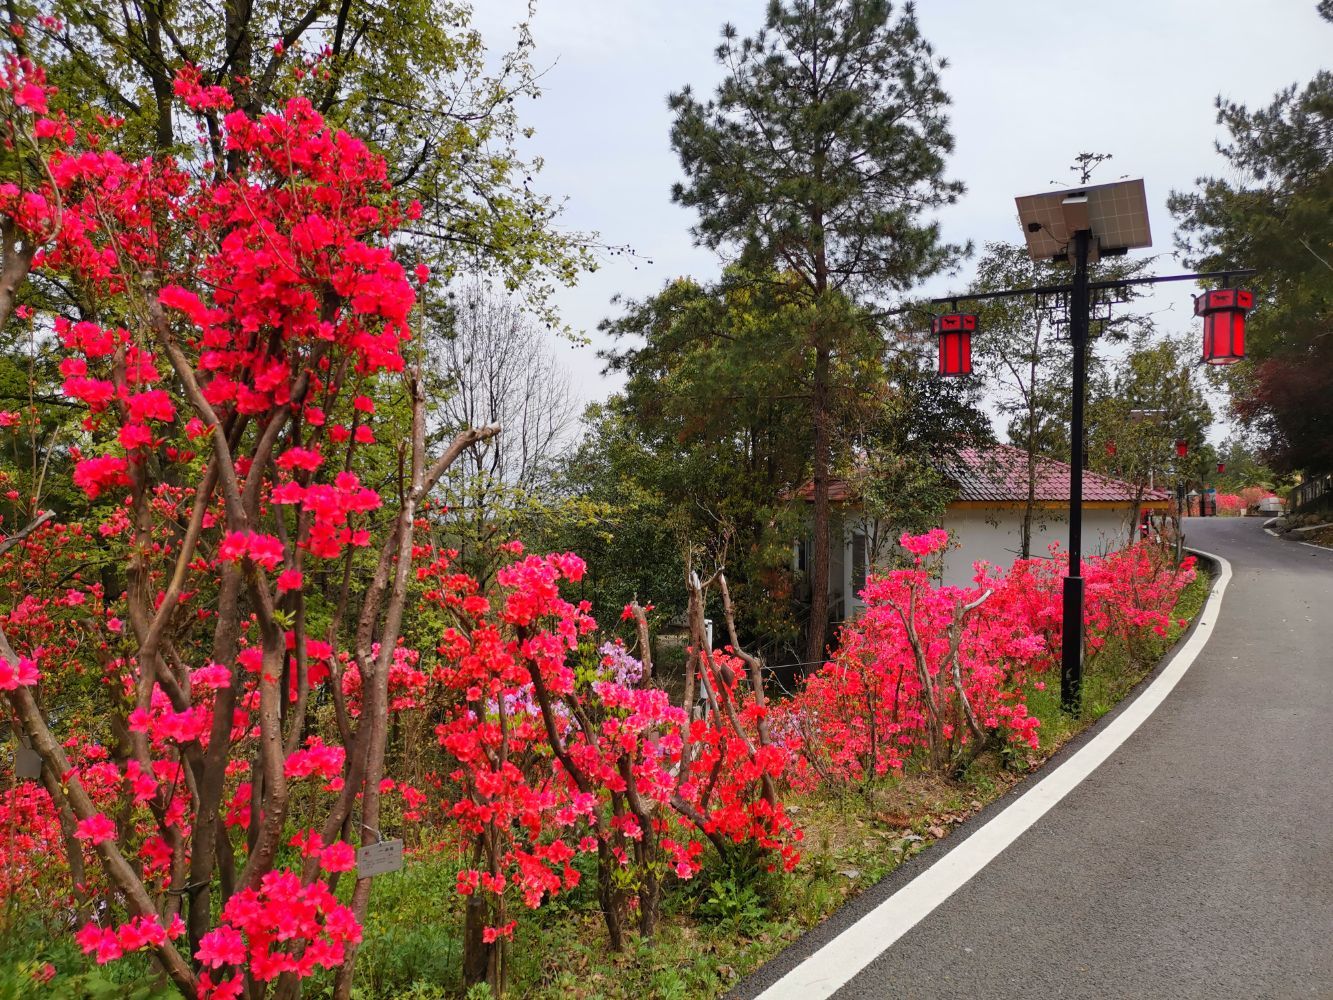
[
  {"x": 617, "y": 514},
  {"x": 894, "y": 444},
  {"x": 818, "y": 158},
  {"x": 732, "y": 905},
  {"x": 412, "y": 78},
  {"x": 718, "y": 401},
  {"x": 1244, "y": 466},
  {"x": 29, "y": 942},
  {"x": 1272, "y": 210},
  {"x": 1022, "y": 349},
  {"x": 1159, "y": 378}
]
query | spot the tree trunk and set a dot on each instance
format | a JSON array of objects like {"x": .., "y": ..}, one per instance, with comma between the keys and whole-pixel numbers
[
  {"x": 819, "y": 548},
  {"x": 1025, "y": 551},
  {"x": 1138, "y": 513}
]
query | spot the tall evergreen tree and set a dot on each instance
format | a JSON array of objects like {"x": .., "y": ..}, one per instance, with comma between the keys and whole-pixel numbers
[
  {"x": 718, "y": 386},
  {"x": 820, "y": 155}
]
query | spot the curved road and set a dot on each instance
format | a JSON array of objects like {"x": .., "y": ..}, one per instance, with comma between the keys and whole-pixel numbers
[{"x": 1196, "y": 861}]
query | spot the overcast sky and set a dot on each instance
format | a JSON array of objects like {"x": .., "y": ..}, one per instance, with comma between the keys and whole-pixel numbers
[{"x": 1032, "y": 82}]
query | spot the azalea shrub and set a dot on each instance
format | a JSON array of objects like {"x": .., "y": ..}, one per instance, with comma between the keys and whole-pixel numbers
[
  {"x": 210, "y": 672},
  {"x": 210, "y": 705},
  {"x": 931, "y": 675},
  {"x": 561, "y": 747}
]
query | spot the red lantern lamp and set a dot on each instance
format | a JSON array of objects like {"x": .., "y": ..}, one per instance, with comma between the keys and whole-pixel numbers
[
  {"x": 1221, "y": 466},
  {"x": 1182, "y": 447},
  {"x": 1110, "y": 448},
  {"x": 1223, "y": 311},
  {"x": 955, "y": 332}
]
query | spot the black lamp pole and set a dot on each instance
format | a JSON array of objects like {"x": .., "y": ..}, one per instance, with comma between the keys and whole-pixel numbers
[
  {"x": 1071, "y": 650},
  {"x": 1079, "y": 290}
]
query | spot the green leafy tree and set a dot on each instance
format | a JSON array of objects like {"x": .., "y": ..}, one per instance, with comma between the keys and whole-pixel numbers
[
  {"x": 1022, "y": 351},
  {"x": 1274, "y": 210},
  {"x": 718, "y": 391},
  {"x": 819, "y": 156},
  {"x": 414, "y": 79},
  {"x": 1140, "y": 407},
  {"x": 893, "y": 463},
  {"x": 621, "y": 510},
  {"x": 1245, "y": 466}
]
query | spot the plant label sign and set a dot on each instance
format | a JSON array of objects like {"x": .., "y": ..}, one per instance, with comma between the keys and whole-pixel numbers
[
  {"x": 379, "y": 859},
  {"x": 27, "y": 763}
]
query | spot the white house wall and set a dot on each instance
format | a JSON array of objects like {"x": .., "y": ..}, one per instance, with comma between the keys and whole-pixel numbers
[{"x": 995, "y": 534}]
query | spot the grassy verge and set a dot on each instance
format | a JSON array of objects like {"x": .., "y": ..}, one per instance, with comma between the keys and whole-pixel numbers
[
  {"x": 716, "y": 928},
  {"x": 1322, "y": 537}
]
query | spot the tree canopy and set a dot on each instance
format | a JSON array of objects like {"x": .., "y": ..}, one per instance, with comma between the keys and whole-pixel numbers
[{"x": 1274, "y": 210}]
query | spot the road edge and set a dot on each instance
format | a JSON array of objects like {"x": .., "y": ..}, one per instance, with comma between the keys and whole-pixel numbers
[{"x": 831, "y": 954}]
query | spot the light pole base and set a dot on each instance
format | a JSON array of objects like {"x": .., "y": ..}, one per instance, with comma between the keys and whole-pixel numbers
[{"x": 1071, "y": 650}]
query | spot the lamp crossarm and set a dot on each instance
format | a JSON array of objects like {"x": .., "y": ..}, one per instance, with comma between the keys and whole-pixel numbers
[{"x": 1094, "y": 286}]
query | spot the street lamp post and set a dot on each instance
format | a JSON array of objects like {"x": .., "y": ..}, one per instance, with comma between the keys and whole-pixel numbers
[
  {"x": 1071, "y": 656},
  {"x": 1082, "y": 226}
]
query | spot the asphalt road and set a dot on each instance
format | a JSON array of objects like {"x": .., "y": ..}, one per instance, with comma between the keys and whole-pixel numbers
[{"x": 1197, "y": 861}]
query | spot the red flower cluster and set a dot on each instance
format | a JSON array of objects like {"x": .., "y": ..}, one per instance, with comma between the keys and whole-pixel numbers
[
  {"x": 285, "y": 925},
  {"x": 929, "y": 671}
]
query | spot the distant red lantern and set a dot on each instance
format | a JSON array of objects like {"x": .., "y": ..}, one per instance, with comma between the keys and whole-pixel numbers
[
  {"x": 955, "y": 333},
  {"x": 1223, "y": 311},
  {"x": 1182, "y": 447},
  {"x": 1110, "y": 448},
  {"x": 1221, "y": 466}
]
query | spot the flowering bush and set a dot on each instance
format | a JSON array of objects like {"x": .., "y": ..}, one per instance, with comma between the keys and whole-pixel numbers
[
  {"x": 935, "y": 673},
  {"x": 240, "y": 319},
  {"x": 559, "y": 754}
]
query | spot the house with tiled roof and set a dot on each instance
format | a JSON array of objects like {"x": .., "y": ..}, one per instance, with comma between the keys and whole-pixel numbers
[{"x": 985, "y": 518}]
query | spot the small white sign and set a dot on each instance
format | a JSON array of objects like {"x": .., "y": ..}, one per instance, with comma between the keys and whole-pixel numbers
[
  {"x": 379, "y": 859},
  {"x": 27, "y": 763}
]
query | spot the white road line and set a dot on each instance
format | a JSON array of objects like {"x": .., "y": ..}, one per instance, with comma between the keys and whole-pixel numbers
[
  {"x": 838, "y": 961},
  {"x": 1308, "y": 545}
]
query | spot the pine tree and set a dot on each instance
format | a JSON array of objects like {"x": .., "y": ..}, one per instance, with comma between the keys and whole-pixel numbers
[{"x": 820, "y": 156}]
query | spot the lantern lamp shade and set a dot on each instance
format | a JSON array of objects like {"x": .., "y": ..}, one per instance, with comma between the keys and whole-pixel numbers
[
  {"x": 954, "y": 331},
  {"x": 1221, "y": 466},
  {"x": 1223, "y": 311},
  {"x": 1182, "y": 447}
]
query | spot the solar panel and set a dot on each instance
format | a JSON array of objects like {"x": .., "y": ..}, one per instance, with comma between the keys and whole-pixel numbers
[{"x": 1116, "y": 213}]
